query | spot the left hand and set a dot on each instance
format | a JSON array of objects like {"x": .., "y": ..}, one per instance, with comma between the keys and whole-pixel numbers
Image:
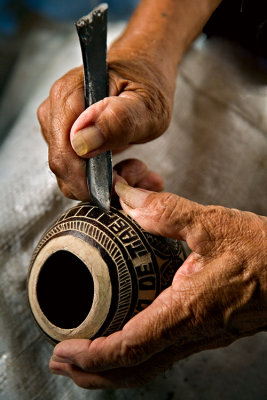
[{"x": 218, "y": 295}]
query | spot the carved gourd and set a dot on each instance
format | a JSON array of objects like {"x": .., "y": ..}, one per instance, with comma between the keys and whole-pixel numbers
[{"x": 91, "y": 272}]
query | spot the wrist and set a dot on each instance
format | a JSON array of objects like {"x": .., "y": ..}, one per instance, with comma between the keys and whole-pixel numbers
[{"x": 162, "y": 30}]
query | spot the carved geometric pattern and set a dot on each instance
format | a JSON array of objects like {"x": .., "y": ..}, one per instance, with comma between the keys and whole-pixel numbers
[{"x": 153, "y": 260}]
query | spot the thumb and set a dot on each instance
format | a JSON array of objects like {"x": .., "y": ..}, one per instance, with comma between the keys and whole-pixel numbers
[
  {"x": 164, "y": 214},
  {"x": 114, "y": 122}
]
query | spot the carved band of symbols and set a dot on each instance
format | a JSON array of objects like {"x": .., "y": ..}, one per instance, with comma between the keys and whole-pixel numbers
[{"x": 140, "y": 264}]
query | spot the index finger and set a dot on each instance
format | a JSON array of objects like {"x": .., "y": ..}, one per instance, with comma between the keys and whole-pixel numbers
[{"x": 57, "y": 115}]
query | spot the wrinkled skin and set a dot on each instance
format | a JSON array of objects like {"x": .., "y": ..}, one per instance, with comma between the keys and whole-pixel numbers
[
  {"x": 119, "y": 118},
  {"x": 142, "y": 69},
  {"x": 218, "y": 295}
]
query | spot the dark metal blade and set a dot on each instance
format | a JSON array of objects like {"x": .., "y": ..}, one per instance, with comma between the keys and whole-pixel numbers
[{"x": 92, "y": 32}]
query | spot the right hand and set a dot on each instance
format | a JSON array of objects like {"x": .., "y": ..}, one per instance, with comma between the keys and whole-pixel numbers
[{"x": 138, "y": 110}]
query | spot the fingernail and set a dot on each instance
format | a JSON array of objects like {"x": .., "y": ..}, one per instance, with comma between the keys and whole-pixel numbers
[
  {"x": 61, "y": 359},
  {"x": 86, "y": 140},
  {"x": 132, "y": 197},
  {"x": 59, "y": 371}
]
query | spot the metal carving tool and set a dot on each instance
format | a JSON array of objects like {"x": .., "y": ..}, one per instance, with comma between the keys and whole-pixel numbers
[{"x": 92, "y": 32}]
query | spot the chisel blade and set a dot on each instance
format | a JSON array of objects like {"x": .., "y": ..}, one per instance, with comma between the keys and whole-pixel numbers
[{"x": 92, "y": 32}]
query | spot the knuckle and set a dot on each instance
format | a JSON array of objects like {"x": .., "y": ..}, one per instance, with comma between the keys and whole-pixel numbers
[
  {"x": 71, "y": 189},
  {"x": 56, "y": 164},
  {"x": 42, "y": 112},
  {"x": 215, "y": 223},
  {"x": 159, "y": 109},
  {"x": 169, "y": 201},
  {"x": 58, "y": 89},
  {"x": 67, "y": 193},
  {"x": 70, "y": 176},
  {"x": 65, "y": 189},
  {"x": 59, "y": 167},
  {"x": 164, "y": 206},
  {"x": 69, "y": 84},
  {"x": 119, "y": 120}
]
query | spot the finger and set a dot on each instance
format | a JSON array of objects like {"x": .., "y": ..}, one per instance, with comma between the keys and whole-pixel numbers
[
  {"x": 165, "y": 214},
  {"x": 56, "y": 115},
  {"x": 66, "y": 104},
  {"x": 43, "y": 115},
  {"x": 136, "y": 173},
  {"x": 138, "y": 375},
  {"x": 116, "y": 378},
  {"x": 70, "y": 171},
  {"x": 210, "y": 231},
  {"x": 114, "y": 122},
  {"x": 63, "y": 106},
  {"x": 76, "y": 189}
]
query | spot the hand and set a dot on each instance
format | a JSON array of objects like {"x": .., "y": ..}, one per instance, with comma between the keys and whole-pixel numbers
[
  {"x": 138, "y": 110},
  {"x": 142, "y": 66},
  {"x": 218, "y": 295}
]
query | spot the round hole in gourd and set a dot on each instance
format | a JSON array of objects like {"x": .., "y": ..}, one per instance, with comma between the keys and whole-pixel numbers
[{"x": 65, "y": 290}]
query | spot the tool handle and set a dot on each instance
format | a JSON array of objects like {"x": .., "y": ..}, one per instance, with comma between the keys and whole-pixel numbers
[{"x": 92, "y": 32}]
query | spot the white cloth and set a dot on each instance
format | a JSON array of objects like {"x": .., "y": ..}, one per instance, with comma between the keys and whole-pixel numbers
[{"x": 215, "y": 152}]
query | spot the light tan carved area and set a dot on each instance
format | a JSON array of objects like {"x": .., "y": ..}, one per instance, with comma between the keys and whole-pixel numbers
[
  {"x": 90, "y": 256},
  {"x": 124, "y": 279}
]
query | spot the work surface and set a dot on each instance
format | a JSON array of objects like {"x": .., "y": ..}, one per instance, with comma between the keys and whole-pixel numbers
[{"x": 215, "y": 152}]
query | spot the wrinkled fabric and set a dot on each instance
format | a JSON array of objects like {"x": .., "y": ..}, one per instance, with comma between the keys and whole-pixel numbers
[{"x": 214, "y": 152}]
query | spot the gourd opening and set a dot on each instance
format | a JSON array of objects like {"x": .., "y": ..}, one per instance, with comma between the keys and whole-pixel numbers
[{"x": 65, "y": 290}]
